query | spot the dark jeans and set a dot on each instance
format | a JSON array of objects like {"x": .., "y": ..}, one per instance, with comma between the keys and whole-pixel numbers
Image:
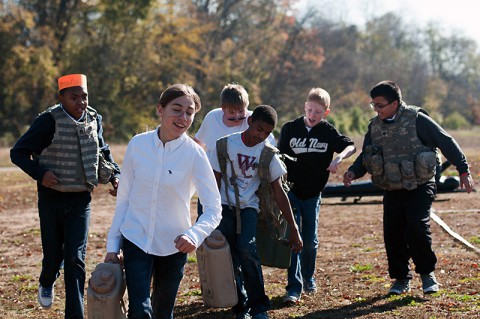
[
  {"x": 406, "y": 230},
  {"x": 244, "y": 254},
  {"x": 167, "y": 272},
  {"x": 64, "y": 220}
]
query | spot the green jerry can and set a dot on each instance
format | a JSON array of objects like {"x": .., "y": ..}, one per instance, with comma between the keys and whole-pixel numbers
[{"x": 272, "y": 252}]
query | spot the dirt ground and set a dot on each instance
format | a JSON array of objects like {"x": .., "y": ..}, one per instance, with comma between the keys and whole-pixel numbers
[{"x": 351, "y": 268}]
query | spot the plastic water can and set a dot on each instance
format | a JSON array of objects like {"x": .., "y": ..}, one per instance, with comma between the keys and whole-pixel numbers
[
  {"x": 106, "y": 288},
  {"x": 215, "y": 269}
]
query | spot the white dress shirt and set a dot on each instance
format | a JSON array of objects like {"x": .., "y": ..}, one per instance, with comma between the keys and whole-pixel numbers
[{"x": 156, "y": 185}]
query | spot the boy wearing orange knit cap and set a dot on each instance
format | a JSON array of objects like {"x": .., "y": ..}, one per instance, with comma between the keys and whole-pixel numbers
[{"x": 64, "y": 151}]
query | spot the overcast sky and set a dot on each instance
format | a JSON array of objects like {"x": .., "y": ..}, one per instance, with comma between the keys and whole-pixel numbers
[{"x": 451, "y": 15}]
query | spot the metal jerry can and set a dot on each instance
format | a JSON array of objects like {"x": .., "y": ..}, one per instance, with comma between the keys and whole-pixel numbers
[
  {"x": 216, "y": 272},
  {"x": 105, "y": 292}
]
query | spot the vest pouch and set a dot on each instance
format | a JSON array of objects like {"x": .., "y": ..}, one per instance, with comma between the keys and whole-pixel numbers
[
  {"x": 105, "y": 169},
  {"x": 425, "y": 164},
  {"x": 393, "y": 175},
  {"x": 373, "y": 160},
  {"x": 409, "y": 180}
]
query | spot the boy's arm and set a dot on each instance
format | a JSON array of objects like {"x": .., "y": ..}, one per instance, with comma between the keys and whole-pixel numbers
[
  {"x": 433, "y": 134},
  {"x": 199, "y": 142},
  {"x": 283, "y": 203},
  {"x": 218, "y": 178},
  {"x": 282, "y": 144},
  {"x": 105, "y": 149},
  {"x": 346, "y": 153},
  {"x": 38, "y": 137}
]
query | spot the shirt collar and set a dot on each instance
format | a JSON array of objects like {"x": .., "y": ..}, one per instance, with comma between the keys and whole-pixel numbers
[
  {"x": 76, "y": 121},
  {"x": 171, "y": 145}
]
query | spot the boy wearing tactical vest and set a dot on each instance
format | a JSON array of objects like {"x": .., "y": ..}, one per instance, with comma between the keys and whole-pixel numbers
[
  {"x": 64, "y": 150},
  {"x": 399, "y": 151},
  {"x": 239, "y": 187},
  {"x": 312, "y": 141}
]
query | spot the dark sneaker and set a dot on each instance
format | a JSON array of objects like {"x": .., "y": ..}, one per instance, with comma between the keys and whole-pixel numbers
[
  {"x": 261, "y": 315},
  {"x": 45, "y": 296},
  {"x": 430, "y": 284},
  {"x": 310, "y": 287},
  {"x": 400, "y": 286},
  {"x": 243, "y": 315},
  {"x": 291, "y": 298}
]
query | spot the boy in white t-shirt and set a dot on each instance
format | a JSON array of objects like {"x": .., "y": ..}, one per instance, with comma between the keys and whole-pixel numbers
[
  {"x": 230, "y": 118},
  {"x": 244, "y": 149}
]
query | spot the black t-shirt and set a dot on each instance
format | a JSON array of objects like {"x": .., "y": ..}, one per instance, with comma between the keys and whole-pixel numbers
[{"x": 314, "y": 151}]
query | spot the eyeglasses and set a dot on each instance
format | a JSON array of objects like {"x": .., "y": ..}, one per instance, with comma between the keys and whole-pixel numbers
[
  {"x": 373, "y": 105},
  {"x": 237, "y": 118}
]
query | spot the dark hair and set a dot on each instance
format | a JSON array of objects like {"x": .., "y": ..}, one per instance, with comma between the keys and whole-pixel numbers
[
  {"x": 179, "y": 90},
  {"x": 234, "y": 96},
  {"x": 388, "y": 89},
  {"x": 265, "y": 113}
]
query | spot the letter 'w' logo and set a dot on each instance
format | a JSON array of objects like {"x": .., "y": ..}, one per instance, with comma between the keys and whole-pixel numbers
[{"x": 246, "y": 162}]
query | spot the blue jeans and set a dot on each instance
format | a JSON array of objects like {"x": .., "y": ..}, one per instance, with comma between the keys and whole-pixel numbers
[
  {"x": 302, "y": 266},
  {"x": 245, "y": 259},
  {"x": 167, "y": 272},
  {"x": 64, "y": 220}
]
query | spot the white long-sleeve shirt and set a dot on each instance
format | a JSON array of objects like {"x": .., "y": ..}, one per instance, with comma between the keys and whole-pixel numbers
[{"x": 153, "y": 200}]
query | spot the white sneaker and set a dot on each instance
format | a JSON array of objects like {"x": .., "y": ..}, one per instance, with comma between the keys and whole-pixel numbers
[
  {"x": 430, "y": 284},
  {"x": 45, "y": 296},
  {"x": 291, "y": 298}
]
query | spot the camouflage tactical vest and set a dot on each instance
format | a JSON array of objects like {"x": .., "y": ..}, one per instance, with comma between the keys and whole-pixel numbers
[
  {"x": 397, "y": 159},
  {"x": 73, "y": 153}
]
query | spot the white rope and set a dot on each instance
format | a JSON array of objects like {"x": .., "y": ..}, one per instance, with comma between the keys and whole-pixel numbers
[{"x": 449, "y": 231}]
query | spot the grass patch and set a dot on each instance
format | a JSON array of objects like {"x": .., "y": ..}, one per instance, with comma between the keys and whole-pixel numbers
[
  {"x": 406, "y": 300},
  {"x": 361, "y": 268},
  {"x": 469, "y": 279},
  {"x": 474, "y": 240},
  {"x": 33, "y": 231},
  {"x": 195, "y": 292},
  {"x": 28, "y": 288},
  {"x": 470, "y": 299},
  {"x": 21, "y": 278},
  {"x": 372, "y": 278}
]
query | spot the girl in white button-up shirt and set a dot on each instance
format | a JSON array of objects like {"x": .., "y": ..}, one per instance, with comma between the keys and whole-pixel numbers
[{"x": 152, "y": 222}]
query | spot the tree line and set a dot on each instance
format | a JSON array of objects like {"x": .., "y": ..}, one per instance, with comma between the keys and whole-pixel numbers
[{"x": 132, "y": 50}]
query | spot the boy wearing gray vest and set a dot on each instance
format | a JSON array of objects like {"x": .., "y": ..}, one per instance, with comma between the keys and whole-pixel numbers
[
  {"x": 65, "y": 152},
  {"x": 399, "y": 151}
]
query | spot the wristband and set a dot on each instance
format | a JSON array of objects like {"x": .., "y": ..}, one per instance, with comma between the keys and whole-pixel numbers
[{"x": 465, "y": 174}]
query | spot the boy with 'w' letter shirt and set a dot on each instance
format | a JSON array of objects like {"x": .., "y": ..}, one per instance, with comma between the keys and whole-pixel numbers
[
  {"x": 239, "y": 187},
  {"x": 312, "y": 141}
]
